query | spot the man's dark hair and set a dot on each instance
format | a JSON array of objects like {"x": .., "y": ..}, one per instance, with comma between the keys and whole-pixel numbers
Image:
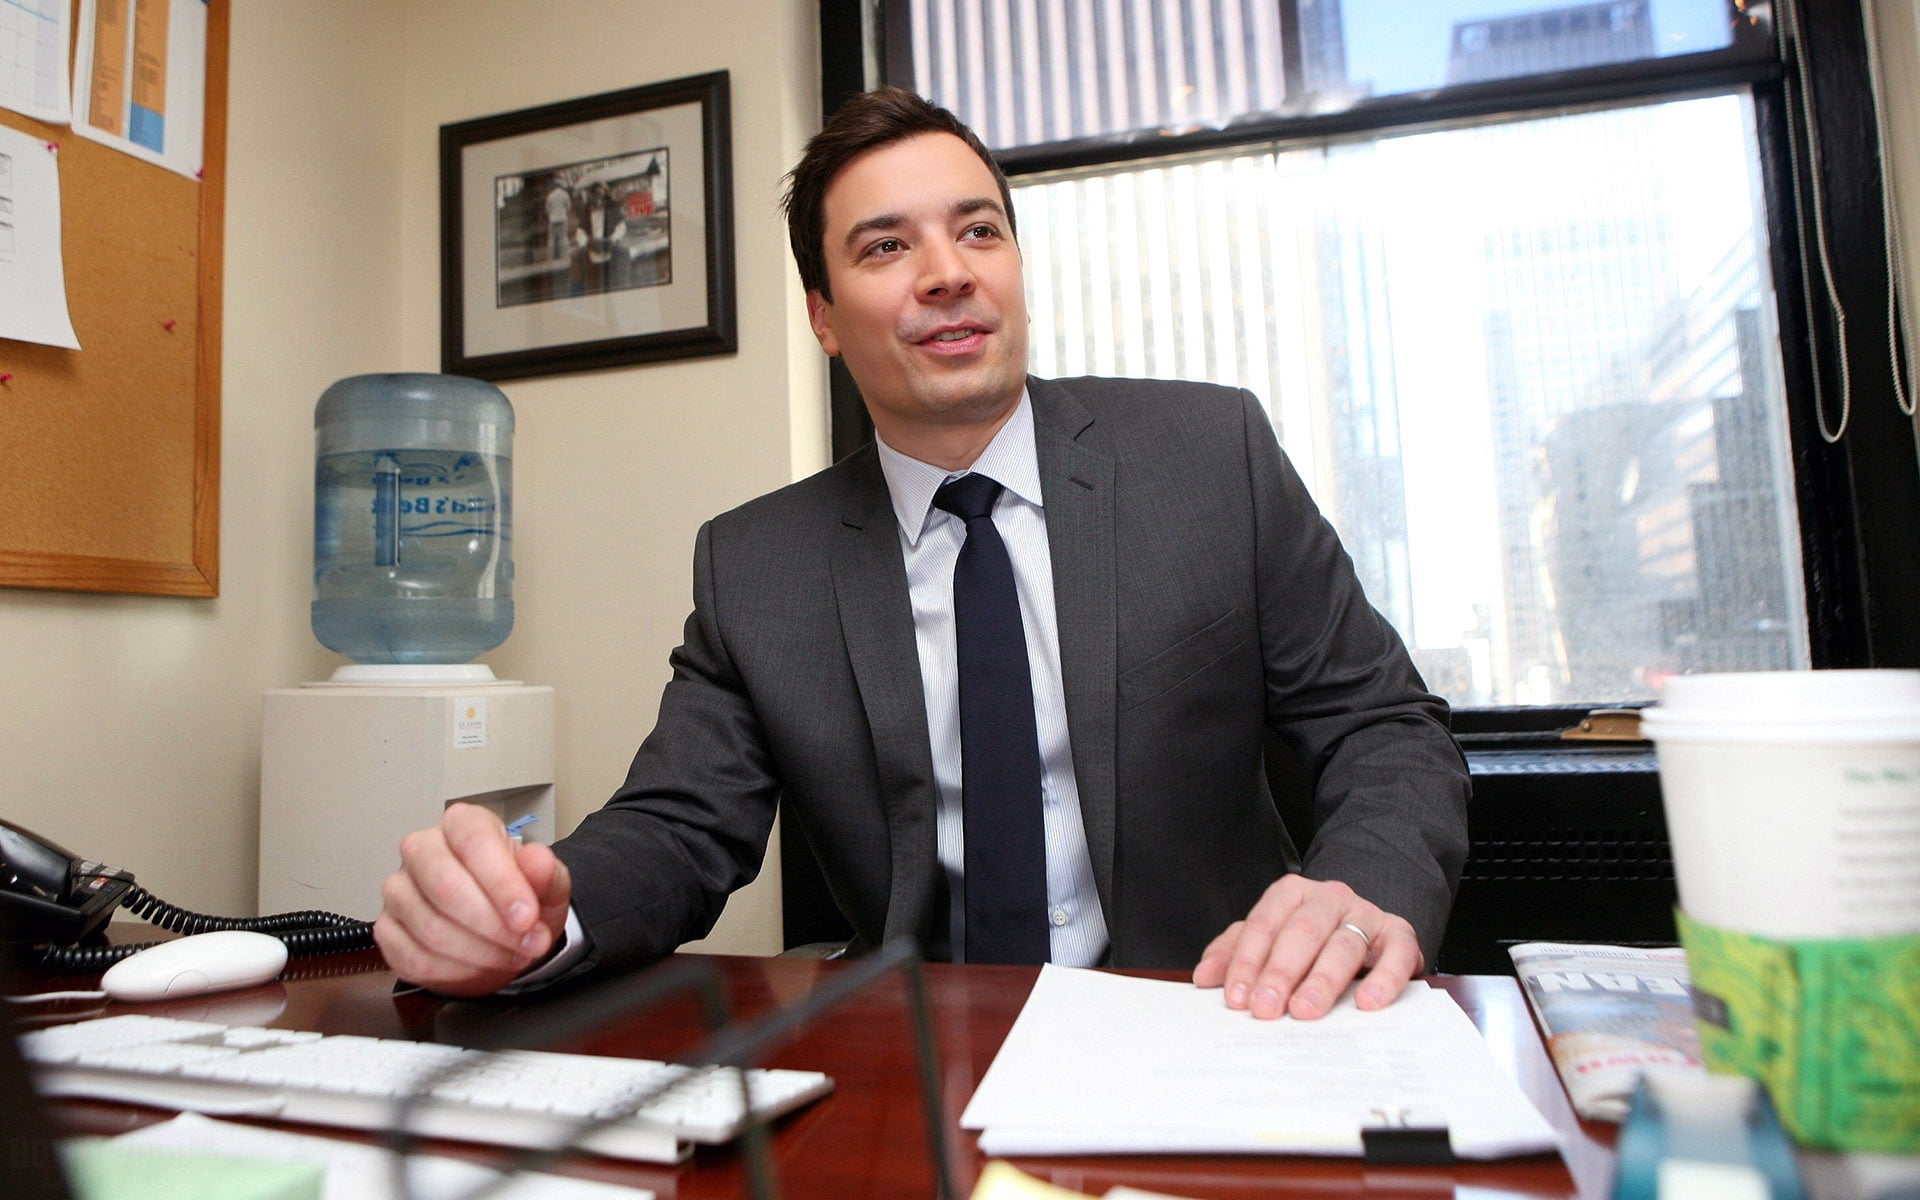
[{"x": 864, "y": 122}]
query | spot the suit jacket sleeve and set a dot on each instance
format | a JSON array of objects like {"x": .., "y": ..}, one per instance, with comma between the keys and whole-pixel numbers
[
  {"x": 1391, "y": 786},
  {"x": 654, "y": 866}
]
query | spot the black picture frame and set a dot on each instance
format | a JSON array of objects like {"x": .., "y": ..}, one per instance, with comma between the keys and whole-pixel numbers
[{"x": 590, "y": 233}]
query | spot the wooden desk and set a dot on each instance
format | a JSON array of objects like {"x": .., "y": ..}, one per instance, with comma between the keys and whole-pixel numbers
[{"x": 868, "y": 1138}]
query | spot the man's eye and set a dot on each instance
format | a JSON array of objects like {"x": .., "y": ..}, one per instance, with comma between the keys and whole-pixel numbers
[
  {"x": 885, "y": 246},
  {"x": 980, "y": 231}
]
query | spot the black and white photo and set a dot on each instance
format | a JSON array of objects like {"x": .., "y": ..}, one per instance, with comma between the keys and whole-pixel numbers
[
  {"x": 584, "y": 228},
  {"x": 590, "y": 233}
]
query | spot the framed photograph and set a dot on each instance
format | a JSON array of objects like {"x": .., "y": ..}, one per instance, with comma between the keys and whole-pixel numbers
[{"x": 591, "y": 233}]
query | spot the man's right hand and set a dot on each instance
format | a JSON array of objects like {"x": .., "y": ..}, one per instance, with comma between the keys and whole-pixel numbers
[{"x": 468, "y": 911}]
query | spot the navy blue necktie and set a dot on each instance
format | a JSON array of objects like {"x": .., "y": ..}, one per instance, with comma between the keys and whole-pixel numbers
[{"x": 1006, "y": 853}]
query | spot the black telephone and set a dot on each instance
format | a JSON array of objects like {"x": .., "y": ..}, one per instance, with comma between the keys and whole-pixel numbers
[
  {"x": 49, "y": 894},
  {"x": 52, "y": 901}
]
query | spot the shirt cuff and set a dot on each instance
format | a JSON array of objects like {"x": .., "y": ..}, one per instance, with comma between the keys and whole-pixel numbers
[{"x": 572, "y": 948}]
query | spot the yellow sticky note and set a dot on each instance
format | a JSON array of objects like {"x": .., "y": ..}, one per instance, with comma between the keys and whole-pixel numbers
[{"x": 1001, "y": 1181}]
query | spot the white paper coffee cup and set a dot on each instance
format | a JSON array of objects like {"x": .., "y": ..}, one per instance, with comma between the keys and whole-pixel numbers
[{"x": 1793, "y": 800}]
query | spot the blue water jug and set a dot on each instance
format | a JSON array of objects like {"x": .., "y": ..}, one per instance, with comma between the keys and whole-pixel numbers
[{"x": 412, "y": 518}]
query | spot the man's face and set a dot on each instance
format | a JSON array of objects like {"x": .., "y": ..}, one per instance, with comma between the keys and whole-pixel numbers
[{"x": 928, "y": 310}]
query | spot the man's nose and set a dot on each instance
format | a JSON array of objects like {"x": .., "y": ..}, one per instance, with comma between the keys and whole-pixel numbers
[{"x": 944, "y": 273}]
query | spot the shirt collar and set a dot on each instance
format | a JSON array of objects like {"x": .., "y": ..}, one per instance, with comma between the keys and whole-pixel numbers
[{"x": 1009, "y": 459}]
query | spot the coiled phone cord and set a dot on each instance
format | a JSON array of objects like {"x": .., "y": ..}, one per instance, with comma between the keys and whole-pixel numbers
[{"x": 307, "y": 932}]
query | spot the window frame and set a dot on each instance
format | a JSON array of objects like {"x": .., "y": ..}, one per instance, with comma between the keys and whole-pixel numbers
[{"x": 1857, "y": 501}]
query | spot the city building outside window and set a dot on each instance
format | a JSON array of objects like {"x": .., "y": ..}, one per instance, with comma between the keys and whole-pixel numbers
[{"x": 1502, "y": 272}]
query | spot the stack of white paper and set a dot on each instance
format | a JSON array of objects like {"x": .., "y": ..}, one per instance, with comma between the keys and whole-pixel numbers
[{"x": 1108, "y": 1064}]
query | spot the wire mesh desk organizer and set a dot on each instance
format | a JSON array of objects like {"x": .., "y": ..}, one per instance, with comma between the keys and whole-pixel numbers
[{"x": 735, "y": 1046}]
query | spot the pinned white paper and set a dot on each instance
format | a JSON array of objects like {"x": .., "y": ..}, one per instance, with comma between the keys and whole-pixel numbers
[
  {"x": 33, "y": 285},
  {"x": 34, "y": 35},
  {"x": 140, "y": 80}
]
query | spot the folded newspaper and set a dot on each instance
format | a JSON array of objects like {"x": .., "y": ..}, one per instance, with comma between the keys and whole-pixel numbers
[{"x": 1609, "y": 1012}]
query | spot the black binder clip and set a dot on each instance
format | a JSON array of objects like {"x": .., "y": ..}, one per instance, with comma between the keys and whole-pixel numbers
[{"x": 1397, "y": 1136}]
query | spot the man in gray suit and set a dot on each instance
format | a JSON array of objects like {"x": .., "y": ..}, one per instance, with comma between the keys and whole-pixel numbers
[{"x": 1179, "y": 597}]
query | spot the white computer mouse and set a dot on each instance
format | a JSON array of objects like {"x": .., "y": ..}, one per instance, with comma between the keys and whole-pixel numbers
[{"x": 188, "y": 966}]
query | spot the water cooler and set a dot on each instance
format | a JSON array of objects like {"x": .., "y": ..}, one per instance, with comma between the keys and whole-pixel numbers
[{"x": 413, "y": 577}]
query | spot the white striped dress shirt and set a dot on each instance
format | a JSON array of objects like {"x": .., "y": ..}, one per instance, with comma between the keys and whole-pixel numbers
[{"x": 930, "y": 540}]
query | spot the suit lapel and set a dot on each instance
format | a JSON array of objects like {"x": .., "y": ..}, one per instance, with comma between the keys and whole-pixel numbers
[
  {"x": 1077, "y": 483},
  {"x": 876, "y": 621}
]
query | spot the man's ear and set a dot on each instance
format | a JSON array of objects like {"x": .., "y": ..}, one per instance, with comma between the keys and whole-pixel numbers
[{"x": 820, "y": 316}]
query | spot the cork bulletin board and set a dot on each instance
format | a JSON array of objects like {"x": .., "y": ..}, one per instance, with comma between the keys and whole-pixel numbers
[{"x": 110, "y": 455}]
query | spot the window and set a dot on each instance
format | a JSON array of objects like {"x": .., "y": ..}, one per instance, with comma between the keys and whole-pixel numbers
[
  {"x": 1506, "y": 274},
  {"x": 1540, "y": 405}
]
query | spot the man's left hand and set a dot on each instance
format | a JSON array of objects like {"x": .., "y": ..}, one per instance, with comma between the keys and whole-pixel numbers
[{"x": 1303, "y": 943}]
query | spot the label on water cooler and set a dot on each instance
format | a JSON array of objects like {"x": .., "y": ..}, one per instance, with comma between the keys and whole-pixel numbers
[{"x": 469, "y": 722}]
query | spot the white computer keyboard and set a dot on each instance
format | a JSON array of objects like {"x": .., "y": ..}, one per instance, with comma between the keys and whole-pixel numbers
[{"x": 516, "y": 1098}]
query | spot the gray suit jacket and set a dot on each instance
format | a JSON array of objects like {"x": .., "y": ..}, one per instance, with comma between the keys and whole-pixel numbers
[{"x": 1201, "y": 600}]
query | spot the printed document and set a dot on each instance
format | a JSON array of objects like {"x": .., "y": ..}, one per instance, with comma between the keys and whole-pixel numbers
[
  {"x": 33, "y": 58},
  {"x": 1108, "y": 1064},
  {"x": 140, "y": 79},
  {"x": 33, "y": 285}
]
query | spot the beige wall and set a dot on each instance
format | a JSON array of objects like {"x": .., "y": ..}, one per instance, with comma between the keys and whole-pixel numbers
[
  {"x": 129, "y": 728},
  {"x": 615, "y": 470}
]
